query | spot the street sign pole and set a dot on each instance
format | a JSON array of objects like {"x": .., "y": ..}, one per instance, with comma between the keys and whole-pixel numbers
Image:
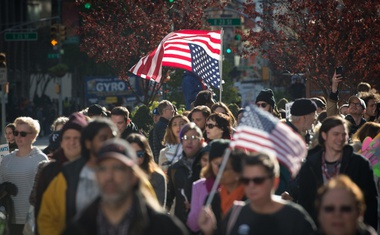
[{"x": 3, "y": 81}]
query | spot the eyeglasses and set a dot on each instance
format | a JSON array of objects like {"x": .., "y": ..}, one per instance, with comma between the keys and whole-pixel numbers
[
  {"x": 355, "y": 104},
  {"x": 263, "y": 105},
  {"x": 342, "y": 209},
  {"x": 210, "y": 125},
  {"x": 255, "y": 180},
  {"x": 140, "y": 153},
  {"x": 188, "y": 138},
  {"x": 22, "y": 133}
]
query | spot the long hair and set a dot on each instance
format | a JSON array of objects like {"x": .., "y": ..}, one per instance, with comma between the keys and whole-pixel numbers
[
  {"x": 148, "y": 165},
  {"x": 329, "y": 123},
  {"x": 169, "y": 137},
  {"x": 227, "y": 111}
]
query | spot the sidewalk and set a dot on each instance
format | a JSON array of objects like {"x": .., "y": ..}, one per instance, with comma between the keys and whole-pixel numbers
[{"x": 42, "y": 142}]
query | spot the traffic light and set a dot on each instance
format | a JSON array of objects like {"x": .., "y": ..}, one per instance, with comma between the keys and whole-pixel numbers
[
  {"x": 87, "y": 5},
  {"x": 237, "y": 37},
  {"x": 54, "y": 33},
  {"x": 62, "y": 33},
  {"x": 228, "y": 50}
]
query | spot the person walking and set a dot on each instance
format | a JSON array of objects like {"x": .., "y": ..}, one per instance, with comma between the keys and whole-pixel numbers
[
  {"x": 20, "y": 168},
  {"x": 332, "y": 157},
  {"x": 126, "y": 204},
  {"x": 74, "y": 187}
]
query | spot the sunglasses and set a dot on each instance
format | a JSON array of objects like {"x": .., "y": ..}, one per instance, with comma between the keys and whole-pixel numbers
[
  {"x": 140, "y": 154},
  {"x": 210, "y": 126},
  {"x": 263, "y": 105},
  {"x": 255, "y": 180},
  {"x": 22, "y": 133},
  {"x": 341, "y": 209},
  {"x": 193, "y": 137}
]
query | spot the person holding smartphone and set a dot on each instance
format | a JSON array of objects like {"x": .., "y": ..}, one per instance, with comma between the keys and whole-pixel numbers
[{"x": 356, "y": 106}]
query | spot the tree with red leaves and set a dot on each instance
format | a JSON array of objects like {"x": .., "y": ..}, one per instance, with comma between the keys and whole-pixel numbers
[
  {"x": 316, "y": 36},
  {"x": 121, "y": 32}
]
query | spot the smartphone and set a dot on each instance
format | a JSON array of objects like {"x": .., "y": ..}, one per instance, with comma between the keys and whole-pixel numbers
[{"x": 339, "y": 70}]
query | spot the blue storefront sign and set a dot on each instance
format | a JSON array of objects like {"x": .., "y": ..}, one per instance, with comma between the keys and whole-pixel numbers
[{"x": 110, "y": 91}]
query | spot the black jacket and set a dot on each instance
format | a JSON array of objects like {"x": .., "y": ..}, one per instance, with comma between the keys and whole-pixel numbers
[
  {"x": 353, "y": 165},
  {"x": 180, "y": 176},
  {"x": 145, "y": 221},
  {"x": 158, "y": 132},
  {"x": 131, "y": 128}
]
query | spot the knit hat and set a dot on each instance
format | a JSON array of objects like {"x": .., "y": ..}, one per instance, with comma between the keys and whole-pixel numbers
[
  {"x": 218, "y": 147},
  {"x": 77, "y": 121},
  {"x": 303, "y": 107},
  {"x": 362, "y": 103},
  {"x": 118, "y": 149},
  {"x": 266, "y": 95}
]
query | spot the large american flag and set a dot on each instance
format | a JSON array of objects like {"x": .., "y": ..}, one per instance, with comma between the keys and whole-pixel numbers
[
  {"x": 197, "y": 51},
  {"x": 259, "y": 131}
]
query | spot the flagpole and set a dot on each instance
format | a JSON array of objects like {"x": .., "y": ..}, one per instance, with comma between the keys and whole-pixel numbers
[
  {"x": 226, "y": 155},
  {"x": 221, "y": 65}
]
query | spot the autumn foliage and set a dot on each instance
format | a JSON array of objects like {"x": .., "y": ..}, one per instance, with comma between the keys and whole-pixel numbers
[
  {"x": 316, "y": 36},
  {"x": 121, "y": 32}
]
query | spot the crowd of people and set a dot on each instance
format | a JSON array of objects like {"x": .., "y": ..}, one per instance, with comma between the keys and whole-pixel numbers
[{"x": 101, "y": 175}]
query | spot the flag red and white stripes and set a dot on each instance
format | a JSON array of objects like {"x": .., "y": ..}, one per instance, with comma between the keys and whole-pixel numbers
[
  {"x": 175, "y": 51},
  {"x": 259, "y": 131}
]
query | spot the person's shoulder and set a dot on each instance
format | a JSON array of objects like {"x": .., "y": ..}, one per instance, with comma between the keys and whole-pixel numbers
[{"x": 165, "y": 224}]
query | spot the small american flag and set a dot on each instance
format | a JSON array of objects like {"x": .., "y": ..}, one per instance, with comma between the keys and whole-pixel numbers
[
  {"x": 259, "y": 131},
  {"x": 197, "y": 51}
]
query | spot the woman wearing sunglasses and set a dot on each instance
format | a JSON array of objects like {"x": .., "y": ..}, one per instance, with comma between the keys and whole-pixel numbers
[
  {"x": 340, "y": 205},
  {"x": 263, "y": 214},
  {"x": 20, "y": 167},
  {"x": 145, "y": 160},
  {"x": 173, "y": 150},
  {"x": 218, "y": 126}
]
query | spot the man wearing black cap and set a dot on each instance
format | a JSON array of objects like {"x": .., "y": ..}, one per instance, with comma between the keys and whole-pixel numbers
[
  {"x": 303, "y": 113},
  {"x": 126, "y": 204},
  {"x": 266, "y": 101}
]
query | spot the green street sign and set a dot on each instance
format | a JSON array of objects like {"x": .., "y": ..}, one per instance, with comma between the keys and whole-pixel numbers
[
  {"x": 20, "y": 36},
  {"x": 224, "y": 21},
  {"x": 53, "y": 56}
]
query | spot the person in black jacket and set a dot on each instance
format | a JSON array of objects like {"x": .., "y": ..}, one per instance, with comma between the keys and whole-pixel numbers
[
  {"x": 167, "y": 111},
  {"x": 127, "y": 204},
  {"x": 184, "y": 172},
  {"x": 125, "y": 126},
  {"x": 333, "y": 157}
]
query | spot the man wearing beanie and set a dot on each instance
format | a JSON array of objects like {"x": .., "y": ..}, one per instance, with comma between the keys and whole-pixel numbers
[
  {"x": 70, "y": 149},
  {"x": 266, "y": 101},
  {"x": 303, "y": 113}
]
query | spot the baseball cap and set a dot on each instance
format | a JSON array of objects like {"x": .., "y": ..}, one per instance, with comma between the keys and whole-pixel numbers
[
  {"x": 118, "y": 149},
  {"x": 155, "y": 111}
]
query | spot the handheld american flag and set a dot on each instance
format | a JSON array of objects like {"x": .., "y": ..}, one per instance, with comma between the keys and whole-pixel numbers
[
  {"x": 197, "y": 51},
  {"x": 259, "y": 131}
]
